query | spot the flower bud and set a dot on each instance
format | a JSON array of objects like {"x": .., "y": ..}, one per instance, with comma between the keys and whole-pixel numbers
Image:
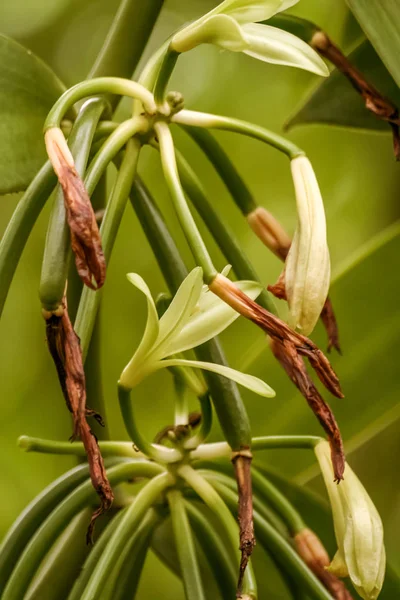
[
  {"x": 307, "y": 272},
  {"x": 270, "y": 231},
  {"x": 358, "y": 529}
]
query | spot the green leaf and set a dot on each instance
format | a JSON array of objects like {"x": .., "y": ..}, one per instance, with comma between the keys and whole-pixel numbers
[
  {"x": 380, "y": 22},
  {"x": 336, "y": 102},
  {"x": 250, "y": 382},
  {"x": 28, "y": 89}
]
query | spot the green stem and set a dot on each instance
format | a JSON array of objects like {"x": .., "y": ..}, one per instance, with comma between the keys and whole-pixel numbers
[
  {"x": 100, "y": 85},
  {"x": 129, "y": 522},
  {"x": 226, "y": 397},
  {"x": 270, "y": 442},
  {"x": 215, "y": 551},
  {"x": 90, "y": 299},
  {"x": 33, "y": 516},
  {"x": 134, "y": 557},
  {"x": 58, "y": 248},
  {"x": 164, "y": 75},
  {"x": 32, "y": 444},
  {"x": 94, "y": 557},
  {"x": 63, "y": 563},
  {"x": 222, "y": 234},
  {"x": 206, "y": 423},
  {"x": 185, "y": 546},
  {"x": 214, "y": 501},
  {"x": 224, "y": 167},
  {"x": 187, "y": 222},
  {"x": 20, "y": 226},
  {"x": 56, "y": 522},
  {"x": 284, "y": 554},
  {"x": 181, "y": 408},
  {"x": 159, "y": 453},
  {"x": 208, "y": 121}
]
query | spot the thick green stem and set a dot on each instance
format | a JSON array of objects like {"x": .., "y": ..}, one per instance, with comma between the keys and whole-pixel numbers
[
  {"x": 58, "y": 248},
  {"x": 226, "y": 397},
  {"x": 284, "y": 554},
  {"x": 90, "y": 299},
  {"x": 214, "y": 501},
  {"x": 188, "y": 559},
  {"x": 224, "y": 167},
  {"x": 56, "y": 522},
  {"x": 108, "y": 448},
  {"x": 164, "y": 75},
  {"x": 133, "y": 516},
  {"x": 187, "y": 222},
  {"x": 33, "y": 516},
  {"x": 159, "y": 453},
  {"x": 100, "y": 85},
  {"x": 208, "y": 121},
  {"x": 214, "y": 550},
  {"x": 221, "y": 233}
]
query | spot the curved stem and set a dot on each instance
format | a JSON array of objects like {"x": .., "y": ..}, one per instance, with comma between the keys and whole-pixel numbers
[
  {"x": 284, "y": 554},
  {"x": 90, "y": 299},
  {"x": 187, "y": 222},
  {"x": 129, "y": 522},
  {"x": 164, "y": 75},
  {"x": 221, "y": 233},
  {"x": 209, "y": 121},
  {"x": 215, "y": 551},
  {"x": 159, "y": 453},
  {"x": 100, "y": 85},
  {"x": 56, "y": 522},
  {"x": 206, "y": 423},
  {"x": 32, "y": 517},
  {"x": 188, "y": 559},
  {"x": 214, "y": 501}
]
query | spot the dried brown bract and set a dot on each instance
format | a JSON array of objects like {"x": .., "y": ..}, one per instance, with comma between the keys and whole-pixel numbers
[
  {"x": 313, "y": 553},
  {"x": 66, "y": 352},
  {"x": 242, "y": 464},
  {"x": 85, "y": 235},
  {"x": 287, "y": 355},
  {"x": 380, "y": 106}
]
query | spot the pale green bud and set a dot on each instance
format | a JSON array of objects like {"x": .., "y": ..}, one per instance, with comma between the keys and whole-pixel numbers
[
  {"x": 358, "y": 529},
  {"x": 307, "y": 273}
]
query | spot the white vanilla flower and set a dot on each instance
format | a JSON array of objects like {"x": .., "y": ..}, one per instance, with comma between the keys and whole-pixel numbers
[
  {"x": 358, "y": 529},
  {"x": 233, "y": 25},
  {"x": 194, "y": 316},
  {"x": 307, "y": 271}
]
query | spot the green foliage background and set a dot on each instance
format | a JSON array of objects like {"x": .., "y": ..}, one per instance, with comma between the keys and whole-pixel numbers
[{"x": 359, "y": 180}]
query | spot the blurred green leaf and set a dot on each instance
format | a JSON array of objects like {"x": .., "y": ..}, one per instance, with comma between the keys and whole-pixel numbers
[
  {"x": 336, "y": 102},
  {"x": 380, "y": 22},
  {"x": 28, "y": 89}
]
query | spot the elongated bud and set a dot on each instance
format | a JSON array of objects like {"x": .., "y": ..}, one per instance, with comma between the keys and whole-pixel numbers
[
  {"x": 358, "y": 529},
  {"x": 270, "y": 231},
  {"x": 307, "y": 271}
]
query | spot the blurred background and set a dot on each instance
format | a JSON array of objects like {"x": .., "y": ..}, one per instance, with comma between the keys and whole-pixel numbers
[{"x": 359, "y": 179}]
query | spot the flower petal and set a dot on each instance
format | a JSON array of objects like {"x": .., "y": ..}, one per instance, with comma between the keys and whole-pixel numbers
[
  {"x": 212, "y": 317},
  {"x": 249, "y": 11},
  {"x": 274, "y": 45},
  {"x": 250, "y": 382},
  {"x": 216, "y": 29}
]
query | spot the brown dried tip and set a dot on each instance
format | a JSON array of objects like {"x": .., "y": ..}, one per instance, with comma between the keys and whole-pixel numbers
[
  {"x": 311, "y": 550},
  {"x": 375, "y": 102},
  {"x": 65, "y": 350},
  {"x": 242, "y": 464},
  {"x": 277, "y": 329},
  {"x": 179, "y": 432},
  {"x": 287, "y": 355},
  {"x": 85, "y": 235}
]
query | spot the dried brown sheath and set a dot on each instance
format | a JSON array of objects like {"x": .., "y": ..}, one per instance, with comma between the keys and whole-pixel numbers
[{"x": 65, "y": 350}]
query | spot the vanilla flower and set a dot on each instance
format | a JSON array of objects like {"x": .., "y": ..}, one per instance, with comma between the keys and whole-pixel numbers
[
  {"x": 194, "y": 316},
  {"x": 233, "y": 25}
]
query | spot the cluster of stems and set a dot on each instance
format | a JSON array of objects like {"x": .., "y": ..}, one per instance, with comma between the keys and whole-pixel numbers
[{"x": 182, "y": 469}]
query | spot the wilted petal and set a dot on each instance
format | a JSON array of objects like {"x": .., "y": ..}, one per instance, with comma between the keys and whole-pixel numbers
[
  {"x": 307, "y": 273},
  {"x": 276, "y": 46},
  {"x": 220, "y": 30}
]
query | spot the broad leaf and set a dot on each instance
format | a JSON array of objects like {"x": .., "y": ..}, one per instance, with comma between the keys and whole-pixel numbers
[
  {"x": 380, "y": 22},
  {"x": 28, "y": 89},
  {"x": 336, "y": 102}
]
